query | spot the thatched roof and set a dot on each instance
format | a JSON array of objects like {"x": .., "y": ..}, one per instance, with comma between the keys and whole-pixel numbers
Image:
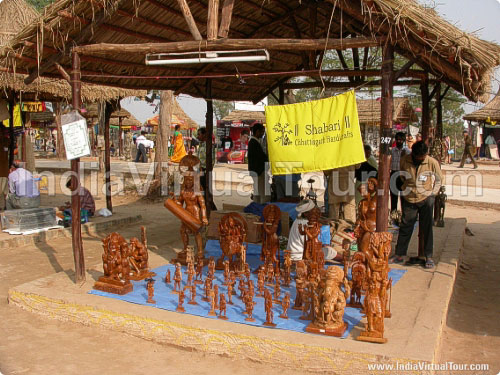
[
  {"x": 126, "y": 122},
  {"x": 14, "y": 16},
  {"x": 490, "y": 112},
  {"x": 452, "y": 56},
  {"x": 179, "y": 117},
  {"x": 91, "y": 111},
  {"x": 369, "y": 111},
  {"x": 239, "y": 115}
]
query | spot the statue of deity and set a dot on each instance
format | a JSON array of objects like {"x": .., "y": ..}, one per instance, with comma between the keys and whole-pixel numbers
[
  {"x": 311, "y": 232},
  {"x": 233, "y": 233},
  {"x": 270, "y": 240}
]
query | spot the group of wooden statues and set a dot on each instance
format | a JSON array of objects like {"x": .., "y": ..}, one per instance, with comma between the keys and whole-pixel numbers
[{"x": 321, "y": 293}]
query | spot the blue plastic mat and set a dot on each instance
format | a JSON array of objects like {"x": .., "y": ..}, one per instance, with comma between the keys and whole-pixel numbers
[{"x": 168, "y": 301}]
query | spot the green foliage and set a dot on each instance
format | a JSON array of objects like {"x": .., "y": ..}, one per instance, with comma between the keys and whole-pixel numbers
[
  {"x": 39, "y": 4},
  {"x": 222, "y": 108}
]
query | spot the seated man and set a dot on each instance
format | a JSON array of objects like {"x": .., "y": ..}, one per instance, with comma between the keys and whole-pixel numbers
[
  {"x": 86, "y": 200},
  {"x": 296, "y": 240},
  {"x": 23, "y": 191}
]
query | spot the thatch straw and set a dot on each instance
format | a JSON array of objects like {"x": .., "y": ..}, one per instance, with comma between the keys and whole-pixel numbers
[
  {"x": 240, "y": 115},
  {"x": 369, "y": 111},
  {"x": 490, "y": 112}
]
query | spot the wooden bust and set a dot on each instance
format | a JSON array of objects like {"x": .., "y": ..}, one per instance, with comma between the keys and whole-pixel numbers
[
  {"x": 330, "y": 310},
  {"x": 270, "y": 240},
  {"x": 232, "y": 236}
]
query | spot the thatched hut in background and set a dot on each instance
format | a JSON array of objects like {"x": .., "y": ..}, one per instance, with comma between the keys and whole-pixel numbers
[
  {"x": 369, "y": 118},
  {"x": 179, "y": 117},
  {"x": 486, "y": 121}
]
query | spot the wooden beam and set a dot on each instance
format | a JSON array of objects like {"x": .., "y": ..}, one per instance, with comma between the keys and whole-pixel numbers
[
  {"x": 213, "y": 20},
  {"x": 191, "y": 81},
  {"x": 385, "y": 132},
  {"x": 63, "y": 72},
  {"x": 146, "y": 21},
  {"x": 346, "y": 85},
  {"x": 229, "y": 44},
  {"x": 445, "y": 92},
  {"x": 298, "y": 35},
  {"x": 344, "y": 63},
  {"x": 83, "y": 35},
  {"x": 76, "y": 228},
  {"x": 434, "y": 90},
  {"x": 403, "y": 70},
  {"x": 270, "y": 90},
  {"x": 225, "y": 22},
  {"x": 366, "y": 52},
  {"x": 209, "y": 145},
  {"x": 426, "y": 114},
  {"x": 189, "y": 19}
]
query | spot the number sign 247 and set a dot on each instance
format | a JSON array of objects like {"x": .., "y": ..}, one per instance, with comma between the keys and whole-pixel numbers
[{"x": 386, "y": 140}]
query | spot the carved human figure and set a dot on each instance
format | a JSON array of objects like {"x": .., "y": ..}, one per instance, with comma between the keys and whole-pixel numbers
[
  {"x": 366, "y": 222},
  {"x": 138, "y": 257},
  {"x": 177, "y": 278},
  {"x": 261, "y": 282},
  {"x": 211, "y": 268},
  {"x": 232, "y": 235},
  {"x": 194, "y": 203},
  {"x": 287, "y": 268},
  {"x": 115, "y": 265},
  {"x": 226, "y": 272},
  {"x": 268, "y": 301},
  {"x": 151, "y": 290},
  {"x": 167, "y": 277},
  {"x": 232, "y": 280},
  {"x": 269, "y": 272},
  {"x": 311, "y": 232},
  {"x": 241, "y": 286},
  {"x": 251, "y": 288},
  {"x": 222, "y": 307},
  {"x": 247, "y": 272},
  {"x": 207, "y": 287},
  {"x": 190, "y": 273},
  {"x": 216, "y": 295},
  {"x": 300, "y": 281},
  {"x": 211, "y": 296},
  {"x": 270, "y": 240},
  {"x": 192, "y": 301},
  {"x": 180, "y": 308},
  {"x": 230, "y": 287},
  {"x": 277, "y": 291},
  {"x": 249, "y": 304},
  {"x": 285, "y": 304},
  {"x": 199, "y": 270}
]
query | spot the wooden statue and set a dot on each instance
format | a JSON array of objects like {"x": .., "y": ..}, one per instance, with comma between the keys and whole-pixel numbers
[
  {"x": 330, "y": 311},
  {"x": 151, "y": 290},
  {"x": 138, "y": 260},
  {"x": 374, "y": 311},
  {"x": 233, "y": 231},
  {"x": 260, "y": 282},
  {"x": 241, "y": 287},
  {"x": 190, "y": 208},
  {"x": 211, "y": 268},
  {"x": 230, "y": 291},
  {"x": 247, "y": 272},
  {"x": 190, "y": 273},
  {"x": 116, "y": 278},
  {"x": 277, "y": 291},
  {"x": 311, "y": 233},
  {"x": 287, "y": 268},
  {"x": 270, "y": 240},
  {"x": 167, "y": 277},
  {"x": 180, "y": 308},
  {"x": 269, "y": 273},
  {"x": 366, "y": 223},
  {"x": 216, "y": 295},
  {"x": 199, "y": 271},
  {"x": 251, "y": 288},
  {"x": 177, "y": 278},
  {"x": 300, "y": 281},
  {"x": 208, "y": 288},
  {"x": 222, "y": 307},
  {"x": 285, "y": 304},
  {"x": 307, "y": 301},
  {"x": 192, "y": 301},
  {"x": 268, "y": 300},
  {"x": 226, "y": 272},
  {"x": 249, "y": 304},
  {"x": 358, "y": 275},
  {"x": 232, "y": 280},
  {"x": 439, "y": 207},
  {"x": 211, "y": 296}
]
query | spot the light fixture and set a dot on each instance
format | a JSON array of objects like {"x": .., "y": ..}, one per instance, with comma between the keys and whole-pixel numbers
[{"x": 206, "y": 57}]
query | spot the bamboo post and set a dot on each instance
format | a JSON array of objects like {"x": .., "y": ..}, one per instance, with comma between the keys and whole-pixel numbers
[
  {"x": 385, "y": 138},
  {"x": 162, "y": 136},
  {"x": 210, "y": 132},
  {"x": 12, "y": 141},
  {"x": 439, "y": 120},
  {"x": 120, "y": 137},
  {"x": 426, "y": 115},
  {"x": 108, "y": 109},
  {"x": 76, "y": 228},
  {"x": 61, "y": 152}
]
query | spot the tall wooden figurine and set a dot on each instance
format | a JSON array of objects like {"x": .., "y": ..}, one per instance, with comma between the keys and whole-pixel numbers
[{"x": 270, "y": 240}]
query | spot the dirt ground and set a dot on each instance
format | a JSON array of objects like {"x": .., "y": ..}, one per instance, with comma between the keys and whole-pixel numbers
[{"x": 34, "y": 345}]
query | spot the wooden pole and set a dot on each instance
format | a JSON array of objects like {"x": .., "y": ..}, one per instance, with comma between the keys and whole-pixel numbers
[
  {"x": 12, "y": 143},
  {"x": 213, "y": 19},
  {"x": 210, "y": 132},
  {"x": 120, "y": 137},
  {"x": 61, "y": 151},
  {"x": 225, "y": 22},
  {"x": 162, "y": 136},
  {"x": 281, "y": 97},
  {"x": 76, "y": 228},
  {"x": 193, "y": 28},
  {"x": 103, "y": 49},
  {"x": 108, "y": 109},
  {"x": 385, "y": 138},
  {"x": 426, "y": 114}
]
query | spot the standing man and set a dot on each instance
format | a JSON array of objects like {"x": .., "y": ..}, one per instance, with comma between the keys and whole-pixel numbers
[
  {"x": 141, "y": 142},
  {"x": 4, "y": 167},
  {"x": 398, "y": 151},
  {"x": 422, "y": 179},
  {"x": 469, "y": 149},
  {"x": 23, "y": 191},
  {"x": 257, "y": 160}
]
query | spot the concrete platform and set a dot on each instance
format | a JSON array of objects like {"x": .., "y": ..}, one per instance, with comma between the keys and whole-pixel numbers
[{"x": 419, "y": 306}]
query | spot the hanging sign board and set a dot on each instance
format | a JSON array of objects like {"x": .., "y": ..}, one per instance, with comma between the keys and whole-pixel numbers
[
  {"x": 76, "y": 136},
  {"x": 33, "y": 106},
  {"x": 314, "y": 136}
]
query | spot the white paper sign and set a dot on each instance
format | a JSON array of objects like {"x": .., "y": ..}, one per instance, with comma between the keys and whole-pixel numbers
[{"x": 76, "y": 139}]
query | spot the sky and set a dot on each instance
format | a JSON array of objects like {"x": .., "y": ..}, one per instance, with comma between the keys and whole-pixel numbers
[{"x": 478, "y": 16}]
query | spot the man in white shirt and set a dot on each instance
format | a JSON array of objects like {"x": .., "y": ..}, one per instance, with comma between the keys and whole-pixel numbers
[
  {"x": 141, "y": 142},
  {"x": 23, "y": 191},
  {"x": 296, "y": 240}
]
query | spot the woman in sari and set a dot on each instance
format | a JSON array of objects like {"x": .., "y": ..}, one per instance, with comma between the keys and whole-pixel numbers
[{"x": 179, "y": 149}]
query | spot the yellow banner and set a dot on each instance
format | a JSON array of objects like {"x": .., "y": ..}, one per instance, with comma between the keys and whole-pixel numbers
[
  {"x": 314, "y": 136},
  {"x": 17, "y": 117}
]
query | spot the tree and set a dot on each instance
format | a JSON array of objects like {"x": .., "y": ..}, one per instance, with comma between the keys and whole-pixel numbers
[
  {"x": 222, "y": 108},
  {"x": 39, "y": 4}
]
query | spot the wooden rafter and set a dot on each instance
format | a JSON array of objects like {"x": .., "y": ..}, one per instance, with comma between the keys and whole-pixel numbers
[
  {"x": 366, "y": 52},
  {"x": 404, "y": 69},
  {"x": 213, "y": 20},
  {"x": 298, "y": 35},
  {"x": 152, "y": 23},
  {"x": 225, "y": 22},
  {"x": 186, "y": 12},
  {"x": 344, "y": 63}
]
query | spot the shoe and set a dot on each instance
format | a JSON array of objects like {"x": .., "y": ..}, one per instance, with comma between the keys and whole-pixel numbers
[
  {"x": 475, "y": 167},
  {"x": 395, "y": 259},
  {"x": 460, "y": 166}
]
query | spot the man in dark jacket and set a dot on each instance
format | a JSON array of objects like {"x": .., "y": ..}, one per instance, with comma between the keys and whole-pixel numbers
[
  {"x": 469, "y": 151},
  {"x": 257, "y": 159}
]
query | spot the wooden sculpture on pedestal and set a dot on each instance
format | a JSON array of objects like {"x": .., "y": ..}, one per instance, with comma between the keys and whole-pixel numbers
[
  {"x": 366, "y": 223},
  {"x": 167, "y": 277},
  {"x": 199, "y": 270},
  {"x": 328, "y": 319},
  {"x": 177, "y": 278},
  {"x": 222, "y": 307},
  {"x": 189, "y": 207},
  {"x": 233, "y": 231},
  {"x": 287, "y": 264},
  {"x": 192, "y": 301},
  {"x": 268, "y": 301},
  {"x": 211, "y": 296},
  {"x": 311, "y": 232},
  {"x": 285, "y": 304},
  {"x": 249, "y": 304},
  {"x": 208, "y": 287},
  {"x": 211, "y": 268},
  {"x": 260, "y": 282},
  {"x": 150, "y": 286},
  {"x": 277, "y": 291},
  {"x": 138, "y": 258},
  {"x": 230, "y": 287},
  {"x": 180, "y": 308},
  {"x": 300, "y": 280},
  {"x": 226, "y": 272},
  {"x": 358, "y": 275},
  {"x": 216, "y": 295},
  {"x": 270, "y": 240},
  {"x": 116, "y": 278},
  {"x": 190, "y": 273}
]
